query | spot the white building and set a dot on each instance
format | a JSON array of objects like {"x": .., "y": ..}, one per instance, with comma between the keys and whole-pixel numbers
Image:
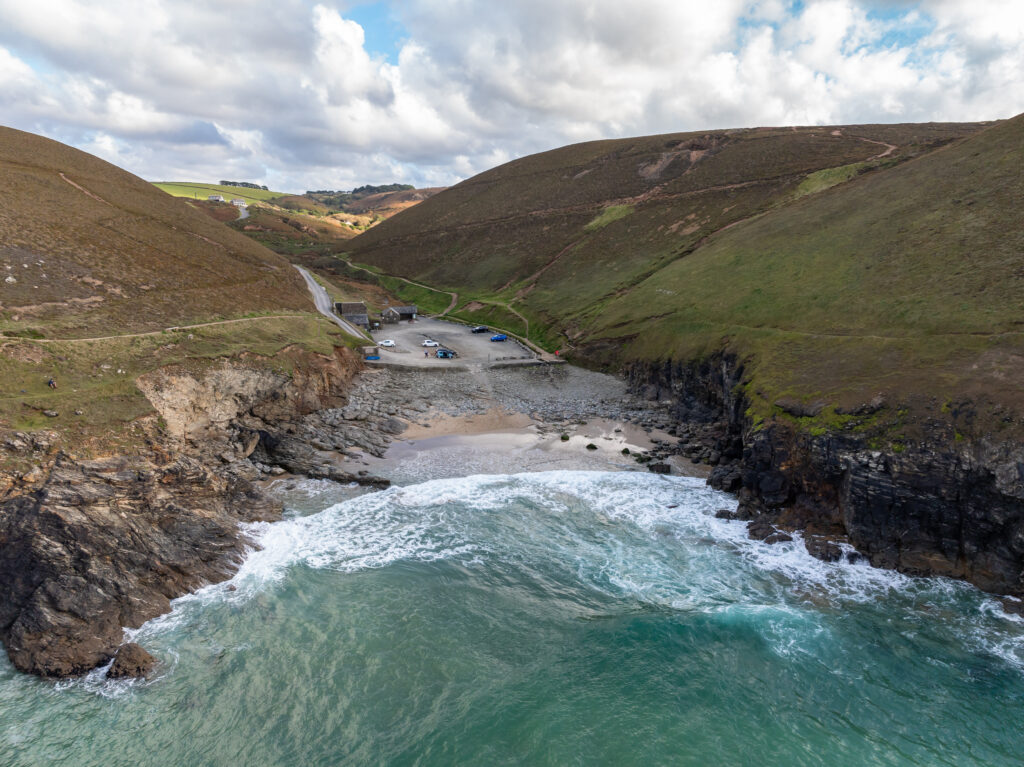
[
  {"x": 239, "y": 203},
  {"x": 216, "y": 198}
]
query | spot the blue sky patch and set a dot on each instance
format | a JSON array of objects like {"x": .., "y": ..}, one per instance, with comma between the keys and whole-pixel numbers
[{"x": 384, "y": 33}]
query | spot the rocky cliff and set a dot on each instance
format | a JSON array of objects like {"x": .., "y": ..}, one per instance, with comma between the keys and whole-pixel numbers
[
  {"x": 90, "y": 546},
  {"x": 939, "y": 503}
]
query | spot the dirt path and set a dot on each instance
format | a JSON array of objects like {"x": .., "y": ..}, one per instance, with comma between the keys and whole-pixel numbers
[
  {"x": 451, "y": 304},
  {"x": 890, "y": 148},
  {"x": 153, "y": 332},
  {"x": 84, "y": 191}
]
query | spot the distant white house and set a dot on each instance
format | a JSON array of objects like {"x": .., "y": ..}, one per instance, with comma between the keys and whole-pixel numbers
[
  {"x": 238, "y": 202},
  {"x": 216, "y": 198}
]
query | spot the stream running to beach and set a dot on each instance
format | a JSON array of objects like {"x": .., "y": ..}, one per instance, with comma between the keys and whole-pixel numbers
[{"x": 550, "y": 618}]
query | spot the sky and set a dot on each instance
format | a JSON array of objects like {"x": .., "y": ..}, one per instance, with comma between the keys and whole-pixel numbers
[{"x": 333, "y": 94}]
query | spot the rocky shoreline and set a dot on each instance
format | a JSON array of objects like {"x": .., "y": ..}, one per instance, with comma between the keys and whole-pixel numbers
[
  {"x": 90, "y": 547},
  {"x": 940, "y": 504}
]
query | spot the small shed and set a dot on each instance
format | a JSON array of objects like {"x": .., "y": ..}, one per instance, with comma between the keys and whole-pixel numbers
[
  {"x": 398, "y": 314},
  {"x": 354, "y": 312}
]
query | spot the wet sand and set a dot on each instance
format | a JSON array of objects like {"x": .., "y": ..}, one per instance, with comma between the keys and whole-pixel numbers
[{"x": 499, "y": 442}]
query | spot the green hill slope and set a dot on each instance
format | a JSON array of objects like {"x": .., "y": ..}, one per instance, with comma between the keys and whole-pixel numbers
[
  {"x": 96, "y": 265},
  {"x": 835, "y": 259},
  {"x": 912, "y": 278},
  {"x": 89, "y": 250}
]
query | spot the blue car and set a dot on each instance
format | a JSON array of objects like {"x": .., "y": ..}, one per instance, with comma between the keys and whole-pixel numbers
[{"x": 499, "y": 337}]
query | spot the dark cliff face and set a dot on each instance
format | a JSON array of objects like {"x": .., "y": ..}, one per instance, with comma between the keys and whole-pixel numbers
[
  {"x": 937, "y": 506},
  {"x": 88, "y": 547},
  {"x": 107, "y": 544}
]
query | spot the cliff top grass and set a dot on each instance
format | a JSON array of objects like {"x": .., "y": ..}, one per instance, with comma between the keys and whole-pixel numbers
[{"x": 97, "y": 377}]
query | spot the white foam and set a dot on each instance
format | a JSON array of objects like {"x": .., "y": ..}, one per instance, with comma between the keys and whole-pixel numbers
[{"x": 621, "y": 536}]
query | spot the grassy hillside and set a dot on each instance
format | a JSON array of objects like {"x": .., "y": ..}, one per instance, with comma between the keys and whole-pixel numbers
[
  {"x": 603, "y": 216},
  {"x": 89, "y": 249},
  {"x": 99, "y": 270},
  {"x": 201, "y": 191},
  {"x": 912, "y": 280},
  {"x": 839, "y": 261}
]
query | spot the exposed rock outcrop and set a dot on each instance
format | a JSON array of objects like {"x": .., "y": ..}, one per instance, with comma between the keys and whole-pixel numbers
[
  {"x": 939, "y": 504},
  {"x": 131, "y": 662},
  {"x": 88, "y": 547},
  {"x": 107, "y": 544}
]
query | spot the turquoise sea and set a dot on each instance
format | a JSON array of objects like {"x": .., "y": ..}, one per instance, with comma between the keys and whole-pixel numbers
[{"x": 553, "y": 618}]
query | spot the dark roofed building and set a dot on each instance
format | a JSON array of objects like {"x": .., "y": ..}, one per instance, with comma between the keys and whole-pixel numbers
[
  {"x": 398, "y": 313},
  {"x": 354, "y": 312}
]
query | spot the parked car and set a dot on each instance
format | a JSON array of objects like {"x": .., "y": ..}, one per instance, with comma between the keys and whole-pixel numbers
[
  {"x": 479, "y": 329},
  {"x": 372, "y": 357},
  {"x": 387, "y": 343},
  {"x": 446, "y": 354},
  {"x": 499, "y": 337},
  {"x": 428, "y": 342}
]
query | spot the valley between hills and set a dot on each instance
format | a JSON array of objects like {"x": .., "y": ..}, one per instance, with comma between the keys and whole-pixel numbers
[{"x": 825, "y": 320}]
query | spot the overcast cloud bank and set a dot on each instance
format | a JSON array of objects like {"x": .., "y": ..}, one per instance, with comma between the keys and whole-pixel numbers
[{"x": 288, "y": 94}]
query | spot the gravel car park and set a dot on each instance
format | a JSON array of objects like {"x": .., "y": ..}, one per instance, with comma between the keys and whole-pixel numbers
[{"x": 409, "y": 341}]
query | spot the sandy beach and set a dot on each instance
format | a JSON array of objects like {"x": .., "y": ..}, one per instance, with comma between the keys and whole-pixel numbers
[{"x": 502, "y": 442}]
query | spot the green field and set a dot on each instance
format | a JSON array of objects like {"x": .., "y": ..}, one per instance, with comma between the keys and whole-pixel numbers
[{"x": 202, "y": 191}]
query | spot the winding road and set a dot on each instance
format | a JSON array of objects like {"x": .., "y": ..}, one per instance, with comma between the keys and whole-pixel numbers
[{"x": 325, "y": 305}]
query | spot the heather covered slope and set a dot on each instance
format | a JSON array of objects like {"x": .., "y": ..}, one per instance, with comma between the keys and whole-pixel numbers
[
  {"x": 558, "y": 233},
  {"x": 909, "y": 280},
  {"x": 87, "y": 249}
]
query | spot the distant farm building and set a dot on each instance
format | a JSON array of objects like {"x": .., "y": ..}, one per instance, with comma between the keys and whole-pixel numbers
[
  {"x": 398, "y": 314},
  {"x": 354, "y": 312},
  {"x": 238, "y": 202},
  {"x": 216, "y": 198}
]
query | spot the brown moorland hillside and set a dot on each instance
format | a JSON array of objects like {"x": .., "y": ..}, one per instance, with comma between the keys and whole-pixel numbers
[
  {"x": 607, "y": 214},
  {"x": 896, "y": 269},
  {"x": 87, "y": 249},
  {"x": 387, "y": 204}
]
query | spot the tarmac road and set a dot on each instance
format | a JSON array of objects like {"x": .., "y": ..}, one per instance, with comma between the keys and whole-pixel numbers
[{"x": 325, "y": 305}]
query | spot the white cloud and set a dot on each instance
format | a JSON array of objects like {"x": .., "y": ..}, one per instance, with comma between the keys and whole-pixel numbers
[{"x": 285, "y": 92}]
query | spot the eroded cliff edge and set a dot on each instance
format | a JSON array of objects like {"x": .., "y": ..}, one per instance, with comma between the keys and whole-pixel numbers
[
  {"x": 924, "y": 487},
  {"x": 90, "y": 546}
]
